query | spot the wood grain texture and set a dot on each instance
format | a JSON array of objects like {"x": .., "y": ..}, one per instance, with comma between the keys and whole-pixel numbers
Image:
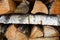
[
  {"x": 39, "y": 7},
  {"x": 36, "y": 32},
  {"x": 50, "y": 32},
  {"x": 55, "y": 9},
  {"x": 13, "y": 34},
  {"x": 6, "y": 6}
]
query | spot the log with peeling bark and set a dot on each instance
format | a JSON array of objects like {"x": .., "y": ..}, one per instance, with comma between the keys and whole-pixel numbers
[
  {"x": 6, "y": 6},
  {"x": 18, "y": 19},
  {"x": 22, "y": 7},
  {"x": 24, "y": 29},
  {"x": 13, "y": 33},
  {"x": 36, "y": 32},
  {"x": 55, "y": 9},
  {"x": 39, "y": 7},
  {"x": 50, "y": 32}
]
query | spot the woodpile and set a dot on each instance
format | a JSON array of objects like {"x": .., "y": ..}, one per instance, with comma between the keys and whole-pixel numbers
[
  {"x": 25, "y": 6},
  {"x": 29, "y": 26},
  {"x": 15, "y": 33}
]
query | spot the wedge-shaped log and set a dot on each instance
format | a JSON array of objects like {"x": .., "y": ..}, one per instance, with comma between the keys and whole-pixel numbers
[
  {"x": 50, "y": 32},
  {"x": 22, "y": 7},
  {"x": 13, "y": 34},
  {"x": 39, "y": 7},
  {"x": 36, "y": 32},
  {"x": 6, "y": 6},
  {"x": 55, "y": 8}
]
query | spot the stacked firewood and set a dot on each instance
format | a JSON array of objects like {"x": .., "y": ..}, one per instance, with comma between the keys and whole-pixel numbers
[
  {"x": 24, "y": 27},
  {"x": 30, "y": 6},
  {"x": 30, "y": 32}
]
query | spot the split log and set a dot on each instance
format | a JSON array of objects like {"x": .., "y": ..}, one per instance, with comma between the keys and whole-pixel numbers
[
  {"x": 13, "y": 34},
  {"x": 39, "y": 7},
  {"x": 6, "y": 6},
  {"x": 55, "y": 9},
  {"x": 22, "y": 7},
  {"x": 36, "y": 32},
  {"x": 50, "y": 32}
]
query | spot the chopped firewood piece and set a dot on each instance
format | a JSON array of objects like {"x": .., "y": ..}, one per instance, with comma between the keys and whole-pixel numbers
[
  {"x": 55, "y": 9},
  {"x": 13, "y": 33},
  {"x": 6, "y": 6},
  {"x": 39, "y": 7},
  {"x": 22, "y": 7},
  {"x": 50, "y": 32},
  {"x": 36, "y": 32}
]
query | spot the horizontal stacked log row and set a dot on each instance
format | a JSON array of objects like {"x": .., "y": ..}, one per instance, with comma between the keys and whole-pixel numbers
[
  {"x": 31, "y": 19},
  {"x": 37, "y": 32},
  {"x": 31, "y": 6}
]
